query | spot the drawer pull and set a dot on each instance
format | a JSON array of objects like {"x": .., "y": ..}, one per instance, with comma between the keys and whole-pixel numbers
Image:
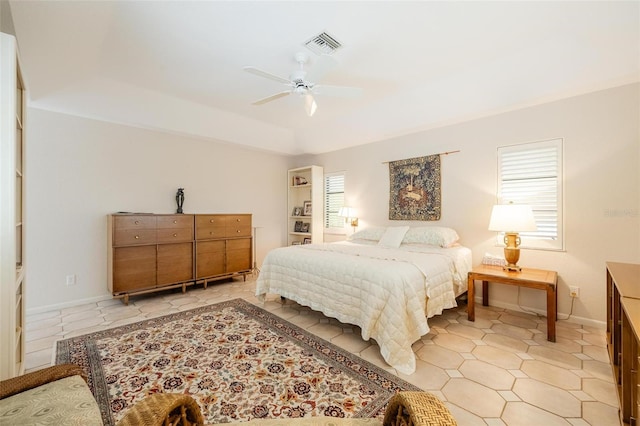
[
  {"x": 211, "y": 220},
  {"x": 210, "y": 232},
  {"x": 137, "y": 222},
  {"x": 137, "y": 237},
  {"x": 175, "y": 221},
  {"x": 175, "y": 235},
  {"x": 237, "y": 220},
  {"x": 238, "y": 231}
]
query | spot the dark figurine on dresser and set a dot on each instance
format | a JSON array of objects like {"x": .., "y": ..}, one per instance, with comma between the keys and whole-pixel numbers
[{"x": 180, "y": 199}]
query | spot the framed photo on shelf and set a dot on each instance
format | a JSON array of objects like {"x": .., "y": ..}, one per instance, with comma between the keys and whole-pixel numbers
[
  {"x": 299, "y": 180},
  {"x": 304, "y": 227},
  {"x": 297, "y": 211},
  {"x": 298, "y": 226},
  {"x": 306, "y": 241},
  {"x": 296, "y": 243},
  {"x": 306, "y": 209}
]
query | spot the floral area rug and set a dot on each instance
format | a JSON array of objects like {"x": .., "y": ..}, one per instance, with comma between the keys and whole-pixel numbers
[{"x": 238, "y": 361}]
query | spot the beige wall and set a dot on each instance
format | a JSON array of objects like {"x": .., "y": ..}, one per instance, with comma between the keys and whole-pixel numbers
[
  {"x": 6, "y": 20},
  {"x": 79, "y": 170},
  {"x": 601, "y": 186}
]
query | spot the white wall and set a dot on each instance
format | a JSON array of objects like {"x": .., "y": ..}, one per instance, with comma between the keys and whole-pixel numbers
[
  {"x": 602, "y": 185},
  {"x": 79, "y": 170}
]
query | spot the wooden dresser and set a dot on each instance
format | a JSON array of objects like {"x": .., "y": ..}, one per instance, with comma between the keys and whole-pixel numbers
[
  {"x": 223, "y": 246},
  {"x": 623, "y": 335},
  {"x": 153, "y": 252}
]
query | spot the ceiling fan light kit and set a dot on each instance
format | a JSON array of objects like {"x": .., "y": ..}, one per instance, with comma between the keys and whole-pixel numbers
[
  {"x": 310, "y": 105},
  {"x": 304, "y": 83}
]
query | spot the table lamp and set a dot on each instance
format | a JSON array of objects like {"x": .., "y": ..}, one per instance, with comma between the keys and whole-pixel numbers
[
  {"x": 349, "y": 214},
  {"x": 511, "y": 219}
]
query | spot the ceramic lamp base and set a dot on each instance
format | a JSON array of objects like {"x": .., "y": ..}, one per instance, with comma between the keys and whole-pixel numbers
[
  {"x": 512, "y": 268},
  {"x": 512, "y": 252}
]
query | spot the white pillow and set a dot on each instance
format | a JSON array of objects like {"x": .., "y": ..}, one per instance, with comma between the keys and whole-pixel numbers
[
  {"x": 393, "y": 236},
  {"x": 433, "y": 235},
  {"x": 373, "y": 233}
]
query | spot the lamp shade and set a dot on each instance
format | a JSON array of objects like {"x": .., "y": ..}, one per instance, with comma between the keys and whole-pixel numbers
[
  {"x": 347, "y": 212},
  {"x": 512, "y": 218}
]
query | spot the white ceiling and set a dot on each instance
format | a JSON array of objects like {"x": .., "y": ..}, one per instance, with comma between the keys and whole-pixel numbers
[{"x": 177, "y": 66}]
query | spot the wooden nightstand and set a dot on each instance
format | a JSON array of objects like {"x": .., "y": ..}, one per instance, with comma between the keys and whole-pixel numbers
[{"x": 530, "y": 278}]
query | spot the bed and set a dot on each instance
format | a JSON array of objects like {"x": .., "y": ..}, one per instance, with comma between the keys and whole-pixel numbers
[{"x": 387, "y": 281}]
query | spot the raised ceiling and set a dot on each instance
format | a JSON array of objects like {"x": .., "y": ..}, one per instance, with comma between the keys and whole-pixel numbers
[{"x": 177, "y": 66}]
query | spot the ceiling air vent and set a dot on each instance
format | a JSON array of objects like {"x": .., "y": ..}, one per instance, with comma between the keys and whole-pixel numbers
[{"x": 323, "y": 44}]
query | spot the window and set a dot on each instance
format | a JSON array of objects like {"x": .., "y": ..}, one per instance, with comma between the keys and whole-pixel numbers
[
  {"x": 531, "y": 174},
  {"x": 333, "y": 201}
]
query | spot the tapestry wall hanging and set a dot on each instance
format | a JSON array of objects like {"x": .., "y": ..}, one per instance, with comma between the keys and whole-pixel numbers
[{"x": 415, "y": 188}]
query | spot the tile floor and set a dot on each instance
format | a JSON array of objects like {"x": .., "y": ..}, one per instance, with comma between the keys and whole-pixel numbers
[{"x": 498, "y": 370}]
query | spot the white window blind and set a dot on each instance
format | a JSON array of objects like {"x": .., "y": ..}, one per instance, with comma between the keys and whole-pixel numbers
[
  {"x": 532, "y": 174},
  {"x": 333, "y": 200}
]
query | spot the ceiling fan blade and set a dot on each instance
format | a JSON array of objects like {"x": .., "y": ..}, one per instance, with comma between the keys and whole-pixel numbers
[
  {"x": 340, "y": 91},
  {"x": 322, "y": 65},
  {"x": 271, "y": 98},
  {"x": 260, "y": 73},
  {"x": 310, "y": 104}
]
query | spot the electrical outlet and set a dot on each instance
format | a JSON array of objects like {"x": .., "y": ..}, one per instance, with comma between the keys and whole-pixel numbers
[
  {"x": 574, "y": 291},
  {"x": 71, "y": 280}
]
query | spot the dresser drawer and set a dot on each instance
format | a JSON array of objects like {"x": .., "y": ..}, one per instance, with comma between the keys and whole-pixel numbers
[
  {"x": 174, "y": 235},
  {"x": 238, "y": 220},
  {"x": 134, "y": 222},
  {"x": 241, "y": 243},
  {"x": 175, "y": 221},
  {"x": 210, "y": 220},
  {"x": 238, "y": 226},
  {"x": 131, "y": 237},
  {"x": 240, "y": 231},
  {"x": 210, "y": 226},
  {"x": 210, "y": 232}
]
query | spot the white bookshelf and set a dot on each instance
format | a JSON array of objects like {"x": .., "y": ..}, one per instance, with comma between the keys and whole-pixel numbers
[
  {"x": 305, "y": 185},
  {"x": 12, "y": 269}
]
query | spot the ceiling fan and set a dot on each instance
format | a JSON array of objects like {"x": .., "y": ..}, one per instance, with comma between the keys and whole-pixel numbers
[{"x": 305, "y": 84}]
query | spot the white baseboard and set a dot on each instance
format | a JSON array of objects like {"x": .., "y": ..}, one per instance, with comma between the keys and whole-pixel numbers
[
  {"x": 561, "y": 316},
  {"x": 57, "y": 306}
]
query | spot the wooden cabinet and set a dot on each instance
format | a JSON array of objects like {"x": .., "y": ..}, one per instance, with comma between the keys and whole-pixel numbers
[
  {"x": 238, "y": 253},
  {"x": 175, "y": 257},
  {"x": 223, "y": 246},
  {"x": 149, "y": 252},
  {"x": 12, "y": 265},
  {"x": 174, "y": 263},
  {"x": 305, "y": 189},
  {"x": 134, "y": 269},
  {"x": 210, "y": 255},
  {"x": 623, "y": 335}
]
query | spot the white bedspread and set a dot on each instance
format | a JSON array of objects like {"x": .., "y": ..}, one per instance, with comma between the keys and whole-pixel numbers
[{"x": 382, "y": 290}]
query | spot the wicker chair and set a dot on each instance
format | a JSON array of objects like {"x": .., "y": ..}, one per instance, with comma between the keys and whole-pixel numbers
[
  {"x": 417, "y": 408},
  {"x": 404, "y": 409},
  {"x": 157, "y": 409}
]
